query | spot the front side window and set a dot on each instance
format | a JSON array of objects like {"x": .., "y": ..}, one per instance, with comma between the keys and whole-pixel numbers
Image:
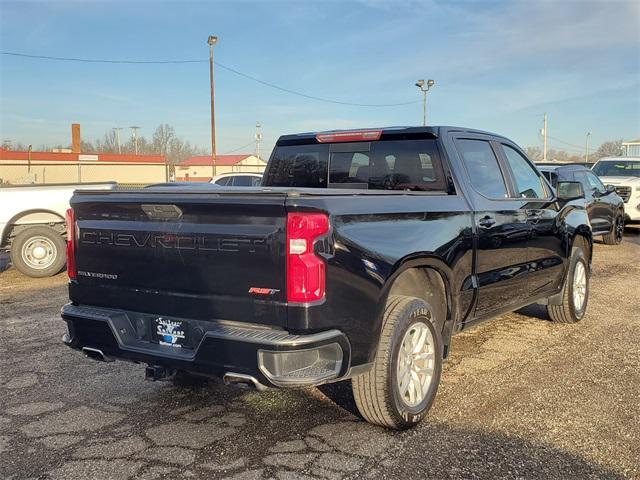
[
  {"x": 528, "y": 182},
  {"x": 595, "y": 182},
  {"x": 483, "y": 168}
]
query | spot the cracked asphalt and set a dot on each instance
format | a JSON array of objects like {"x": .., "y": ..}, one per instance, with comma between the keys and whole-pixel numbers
[{"x": 520, "y": 397}]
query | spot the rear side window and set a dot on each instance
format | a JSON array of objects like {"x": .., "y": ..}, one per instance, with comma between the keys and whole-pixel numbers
[
  {"x": 528, "y": 182},
  {"x": 223, "y": 181},
  {"x": 298, "y": 166},
  {"x": 385, "y": 165},
  {"x": 242, "y": 181},
  {"x": 483, "y": 168}
]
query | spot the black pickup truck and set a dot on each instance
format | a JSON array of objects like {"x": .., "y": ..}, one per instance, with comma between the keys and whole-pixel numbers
[{"x": 358, "y": 258}]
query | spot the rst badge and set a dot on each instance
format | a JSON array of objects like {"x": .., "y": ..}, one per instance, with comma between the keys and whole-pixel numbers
[{"x": 170, "y": 332}]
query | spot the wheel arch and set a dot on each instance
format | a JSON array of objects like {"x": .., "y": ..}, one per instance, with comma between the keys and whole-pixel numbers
[
  {"x": 428, "y": 277},
  {"x": 31, "y": 217},
  {"x": 583, "y": 236}
]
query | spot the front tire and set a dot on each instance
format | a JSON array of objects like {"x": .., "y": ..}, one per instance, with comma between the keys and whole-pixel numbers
[
  {"x": 575, "y": 292},
  {"x": 38, "y": 251},
  {"x": 401, "y": 386},
  {"x": 614, "y": 237}
]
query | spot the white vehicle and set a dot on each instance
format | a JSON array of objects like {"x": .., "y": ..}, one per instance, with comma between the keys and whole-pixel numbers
[
  {"x": 624, "y": 174},
  {"x": 238, "y": 179},
  {"x": 32, "y": 225}
]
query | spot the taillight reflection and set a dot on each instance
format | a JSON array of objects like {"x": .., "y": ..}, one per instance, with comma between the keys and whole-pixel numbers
[{"x": 70, "y": 221}]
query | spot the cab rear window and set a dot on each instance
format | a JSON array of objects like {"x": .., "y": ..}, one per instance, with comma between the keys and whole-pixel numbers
[{"x": 384, "y": 165}]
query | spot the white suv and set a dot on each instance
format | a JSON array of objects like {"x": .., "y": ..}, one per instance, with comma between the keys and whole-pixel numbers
[
  {"x": 238, "y": 180},
  {"x": 624, "y": 174}
]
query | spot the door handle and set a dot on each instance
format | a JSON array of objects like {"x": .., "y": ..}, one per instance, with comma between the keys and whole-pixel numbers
[{"x": 486, "y": 222}]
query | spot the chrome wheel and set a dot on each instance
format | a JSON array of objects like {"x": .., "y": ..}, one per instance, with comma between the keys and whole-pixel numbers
[
  {"x": 579, "y": 286},
  {"x": 39, "y": 252},
  {"x": 416, "y": 362}
]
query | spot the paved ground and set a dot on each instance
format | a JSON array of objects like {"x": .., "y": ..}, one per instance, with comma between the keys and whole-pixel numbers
[{"x": 521, "y": 397}]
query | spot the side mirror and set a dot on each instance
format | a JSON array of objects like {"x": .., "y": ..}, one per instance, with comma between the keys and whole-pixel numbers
[
  {"x": 568, "y": 191},
  {"x": 611, "y": 188}
]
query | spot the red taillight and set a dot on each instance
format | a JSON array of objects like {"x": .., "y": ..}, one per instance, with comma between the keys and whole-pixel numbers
[
  {"x": 70, "y": 220},
  {"x": 305, "y": 270},
  {"x": 351, "y": 136}
]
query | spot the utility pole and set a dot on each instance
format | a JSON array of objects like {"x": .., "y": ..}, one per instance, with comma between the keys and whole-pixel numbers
[
  {"x": 212, "y": 40},
  {"x": 135, "y": 138},
  {"x": 586, "y": 147},
  {"x": 420, "y": 85},
  {"x": 258, "y": 137},
  {"x": 544, "y": 137},
  {"x": 117, "y": 130}
]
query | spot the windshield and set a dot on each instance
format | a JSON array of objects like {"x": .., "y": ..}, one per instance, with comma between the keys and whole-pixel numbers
[{"x": 617, "y": 169}]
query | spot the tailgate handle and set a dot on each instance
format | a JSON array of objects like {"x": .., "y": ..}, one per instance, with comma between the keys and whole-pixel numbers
[{"x": 162, "y": 211}]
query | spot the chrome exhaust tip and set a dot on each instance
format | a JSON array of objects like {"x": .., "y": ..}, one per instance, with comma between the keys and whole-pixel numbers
[
  {"x": 96, "y": 354},
  {"x": 240, "y": 379}
]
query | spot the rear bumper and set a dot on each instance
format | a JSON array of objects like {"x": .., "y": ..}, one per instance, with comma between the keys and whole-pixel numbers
[{"x": 269, "y": 357}]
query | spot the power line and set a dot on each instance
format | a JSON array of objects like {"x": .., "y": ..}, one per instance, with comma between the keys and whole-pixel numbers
[
  {"x": 312, "y": 97},
  {"x": 93, "y": 60},
  {"x": 239, "y": 148},
  {"x": 580, "y": 148},
  {"x": 224, "y": 67}
]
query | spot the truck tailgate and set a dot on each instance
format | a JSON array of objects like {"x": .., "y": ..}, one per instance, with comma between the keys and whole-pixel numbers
[{"x": 183, "y": 254}]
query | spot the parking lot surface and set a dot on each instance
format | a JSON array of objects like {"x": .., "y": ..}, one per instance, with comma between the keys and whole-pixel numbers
[{"x": 520, "y": 397}]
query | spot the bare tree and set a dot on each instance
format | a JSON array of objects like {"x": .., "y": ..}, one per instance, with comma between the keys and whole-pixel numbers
[
  {"x": 109, "y": 144},
  {"x": 162, "y": 138},
  {"x": 534, "y": 153},
  {"x": 612, "y": 148}
]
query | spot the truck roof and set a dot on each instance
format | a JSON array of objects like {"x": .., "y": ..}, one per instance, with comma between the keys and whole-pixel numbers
[{"x": 434, "y": 131}]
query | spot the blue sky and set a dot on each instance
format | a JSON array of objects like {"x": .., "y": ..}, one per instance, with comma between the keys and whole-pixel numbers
[{"x": 497, "y": 65}]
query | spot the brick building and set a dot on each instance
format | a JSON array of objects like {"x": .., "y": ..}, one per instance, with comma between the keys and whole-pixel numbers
[{"x": 56, "y": 167}]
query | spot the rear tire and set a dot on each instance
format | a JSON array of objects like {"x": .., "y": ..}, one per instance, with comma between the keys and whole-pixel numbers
[
  {"x": 614, "y": 237},
  {"x": 401, "y": 386},
  {"x": 575, "y": 292},
  {"x": 38, "y": 251}
]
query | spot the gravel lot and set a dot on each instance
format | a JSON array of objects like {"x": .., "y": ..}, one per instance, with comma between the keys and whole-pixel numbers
[{"x": 521, "y": 397}]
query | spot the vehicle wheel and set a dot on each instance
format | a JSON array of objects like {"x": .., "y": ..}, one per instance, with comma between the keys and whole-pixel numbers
[
  {"x": 575, "y": 292},
  {"x": 614, "y": 237},
  {"x": 401, "y": 386},
  {"x": 38, "y": 251}
]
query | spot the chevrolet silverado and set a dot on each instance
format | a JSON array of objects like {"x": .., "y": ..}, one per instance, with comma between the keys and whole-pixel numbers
[{"x": 357, "y": 259}]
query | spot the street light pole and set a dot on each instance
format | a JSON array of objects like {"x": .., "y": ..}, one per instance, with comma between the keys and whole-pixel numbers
[
  {"x": 544, "y": 138},
  {"x": 586, "y": 147},
  {"x": 420, "y": 84},
  {"x": 258, "y": 137},
  {"x": 135, "y": 138},
  {"x": 212, "y": 40}
]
